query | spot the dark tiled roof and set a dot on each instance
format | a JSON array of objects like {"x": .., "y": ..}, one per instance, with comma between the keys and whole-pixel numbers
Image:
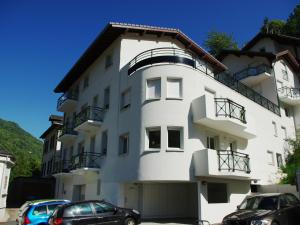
[
  {"x": 238, "y": 53},
  {"x": 112, "y": 31}
]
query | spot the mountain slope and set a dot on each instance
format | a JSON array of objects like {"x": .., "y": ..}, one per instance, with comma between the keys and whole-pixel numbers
[{"x": 26, "y": 148}]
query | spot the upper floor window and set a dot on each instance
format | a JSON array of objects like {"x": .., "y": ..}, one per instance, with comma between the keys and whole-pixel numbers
[
  {"x": 153, "y": 90},
  {"x": 125, "y": 99},
  {"x": 287, "y": 112},
  {"x": 104, "y": 143},
  {"x": 275, "y": 129},
  {"x": 284, "y": 71},
  {"x": 153, "y": 138},
  {"x": 270, "y": 158},
  {"x": 52, "y": 142},
  {"x": 279, "y": 160},
  {"x": 174, "y": 88},
  {"x": 86, "y": 82},
  {"x": 284, "y": 133},
  {"x": 211, "y": 142},
  {"x": 106, "y": 98},
  {"x": 108, "y": 61},
  {"x": 124, "y": 144}
]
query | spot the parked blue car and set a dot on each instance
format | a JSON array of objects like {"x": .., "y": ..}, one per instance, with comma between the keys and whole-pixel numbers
[{"x": 38, "y": 213}]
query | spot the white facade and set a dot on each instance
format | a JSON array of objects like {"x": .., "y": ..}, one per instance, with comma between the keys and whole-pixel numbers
[{"x": 116, "y": 153}]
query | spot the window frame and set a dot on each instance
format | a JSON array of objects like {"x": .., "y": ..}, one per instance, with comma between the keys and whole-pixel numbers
[
  {"x": 275, "y": 129},
  {"x": 271, "y": 153},
  {"x": 104, "y": 153},
  {"x": 279, "y": 156},
  {"x": 176, "y": 128},
  {"x": 121, "y": 143},
  {"x": 147, "y": 98},
  {"x": 147, "y": 144},
  {"x": 217, "y": 184},
  {"x": 180, "y": 88},
  {"x": 126, "y": 91},
  {"x": 106, "y": 98},
  {"x": 109, "y": 60}
]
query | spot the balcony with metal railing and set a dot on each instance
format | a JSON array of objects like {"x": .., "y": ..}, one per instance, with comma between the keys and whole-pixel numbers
[
  {"x": 85, "y": 162},
  {"x": 67, "y": 101},
  {"x": 289, "y": 95},
  {"x": 89, "y": 119},
  {"x": 61, "y": 167},
  {"x": 222, "y": 114},
  {"x": 254, "y": 74},
  {"x": 221, "y": 163},
  {"x": 68, "y": 133}
]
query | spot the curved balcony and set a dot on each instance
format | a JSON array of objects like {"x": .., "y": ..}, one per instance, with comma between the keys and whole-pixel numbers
[
  {"x": 289, "y": 95},
  {"x": 221, "y": 163},
  {"x": 67, "y": 101},
  {"x": 89, "y": 119},
  {"x": 254, "y": 74},
  {"x": 85, "y": 162},
  {"x": 163, "y": 55}
]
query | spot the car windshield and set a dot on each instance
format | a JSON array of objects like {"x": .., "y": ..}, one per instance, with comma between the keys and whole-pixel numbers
[{"x": 260, "y": 202}]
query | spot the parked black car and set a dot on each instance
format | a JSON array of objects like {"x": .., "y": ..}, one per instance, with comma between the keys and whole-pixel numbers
[
  {"x": 266, "y": 209},
  {"x": 94, "y": 212}
]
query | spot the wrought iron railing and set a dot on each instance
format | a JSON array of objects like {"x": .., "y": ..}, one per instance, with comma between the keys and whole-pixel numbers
[
  {"x": 167, "y": 55},
  {"x": 89, "y": 113},
  {"x": 174, "y": 55},
  {"x": 233, "y": 161},
  {"x": 67, "y": 96},
  {"x": 61, "y": 166},
  {"x": 289, "y": 92},
  {"x": 228, "y": 108},
  {"x": 249, "y": 93},
  {"x": 85, "y": 160},
  {"x": 68, "y": 129},
  {"x": 253, "y": 71}
]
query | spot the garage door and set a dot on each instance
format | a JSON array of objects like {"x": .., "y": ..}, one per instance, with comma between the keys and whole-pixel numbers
[{"x": 169, "y": 200}]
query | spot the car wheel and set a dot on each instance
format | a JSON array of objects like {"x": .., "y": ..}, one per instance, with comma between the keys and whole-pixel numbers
[{"x": 129, "y": 221}]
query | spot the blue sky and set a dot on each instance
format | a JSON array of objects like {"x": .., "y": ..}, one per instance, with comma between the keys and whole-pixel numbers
[{"x": 41, "y": 40}]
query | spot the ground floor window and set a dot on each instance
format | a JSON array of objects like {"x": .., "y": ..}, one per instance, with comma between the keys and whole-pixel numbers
[{"x": 217, "y": 193}]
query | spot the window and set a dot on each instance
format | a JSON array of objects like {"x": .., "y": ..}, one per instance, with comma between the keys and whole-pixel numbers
[
  {"x": 174, "y": 88},
  {"x": 270, "y": 157},
  {"x": 81, "y": 209},
  {"x": 124, "y": 144},
  {"x": 153, "y": 135},
  {"x": 284, "y": 72},
  {"x": 103, "y": 207},
  {"x": 292, "y": 200},
  {"x": 92, "y": 144},
  {"x": 98, "y": 187},
  {"x": 153, "y": 90},
  {"x": 40, "y": 210},
  {"x": 52, "y": 141},
  {"x": 125, "y": 99},
  {"x": 211, "y": 142},
  {"x": 104, "y": 143},
  {"x": 95, "y": 101},
  {"x": 108, "y": 61},
  {"x": 46, "y": 146},
  {"x": 80, "y": 147},
  {"x": 275, "y": 129},
  {"x": 217, "y": 193},
  {"x": 284, "y": 134},
  {"x": 279, "y": 160},
  {"x": 51, "y": 208},
  {"x": 106, "y": 98},
  {"x": 174, "y": 137},
  {"x": 287, "y": 112},
  {"x": 85, "y": 82}
]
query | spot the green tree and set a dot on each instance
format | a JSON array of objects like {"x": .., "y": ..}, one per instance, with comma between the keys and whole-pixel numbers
[
  {"x": 217, "y": 41},
  {"x": 272, "y": 26},
  {"x": 292, "y": 26},
  {"x": 292, "y": 163}
]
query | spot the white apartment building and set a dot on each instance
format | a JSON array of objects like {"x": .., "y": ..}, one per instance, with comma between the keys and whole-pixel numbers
[{"x": 154, "y": 122}]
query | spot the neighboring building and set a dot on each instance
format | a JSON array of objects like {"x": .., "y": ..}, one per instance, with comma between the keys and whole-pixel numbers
[
  {"x": 153, "y": 122},
  {"x": 7, "y": 161},
  {"x": 52, "y": 147}
]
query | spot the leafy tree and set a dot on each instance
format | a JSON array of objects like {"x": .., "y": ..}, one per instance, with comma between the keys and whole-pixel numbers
[
  {"x": 292, "y": 26},
  {"x": 217, "y": 41},
  {"x": 26, "y": 149},
  {"x": 292, "y": 163},
  {"x": 272, "y": 26}
]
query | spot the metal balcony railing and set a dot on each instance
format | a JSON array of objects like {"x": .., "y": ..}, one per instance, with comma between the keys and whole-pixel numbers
[
  {"x": 85, "y": 160},
  {"x": 61, "y": 166},
  {"x": 67, "y": 96},
  {"x": 246, "y": 91},
  {"x": 68, "y": 129},
  {"x": 89, "y": 113},
  {"x": 289, "y": 92},
  {"x": 253, "y": 71},
  {"x": 228, "y": 108},
  {"x": 233, "y": 161}
]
